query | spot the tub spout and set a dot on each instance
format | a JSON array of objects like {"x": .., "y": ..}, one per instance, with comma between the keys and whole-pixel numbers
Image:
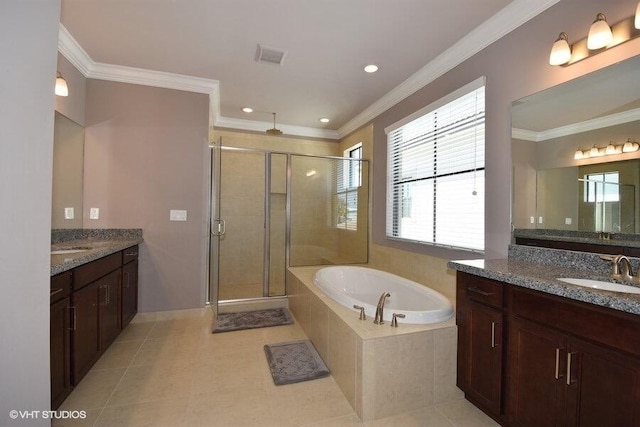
[{"x": 380, "y": 308}]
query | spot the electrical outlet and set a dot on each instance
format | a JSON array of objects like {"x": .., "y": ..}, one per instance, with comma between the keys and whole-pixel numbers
[
  {"x": 532, "y": 220},
  {"x": 94, "y": 213},
  {"x": 177, "y": 215},
  {"x": 68, "y": 213},
  {"x": 539, "y": 220},
  {"x": 568, "y": 221}
]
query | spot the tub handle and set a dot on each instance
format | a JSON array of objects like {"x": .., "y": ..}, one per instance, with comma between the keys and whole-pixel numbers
[
  {"x": 362, "y": 315},
  {"x": 394, "y": 319}
]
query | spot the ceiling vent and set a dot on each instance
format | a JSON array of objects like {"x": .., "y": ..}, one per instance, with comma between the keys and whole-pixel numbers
[{"x": 270, "y": 55}]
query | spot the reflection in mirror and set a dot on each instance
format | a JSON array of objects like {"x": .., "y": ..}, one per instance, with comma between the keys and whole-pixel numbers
[
  {"x": 552, "y": 190},
  {"x": 68, "y": 154}
]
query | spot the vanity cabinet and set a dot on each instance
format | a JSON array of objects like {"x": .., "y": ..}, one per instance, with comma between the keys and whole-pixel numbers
[
  {"x": 480, "y": 321},
  {"x": 60, "y": 338},
  {"x": 129, "y": 292},
  {"x": 565, "y": 362}
]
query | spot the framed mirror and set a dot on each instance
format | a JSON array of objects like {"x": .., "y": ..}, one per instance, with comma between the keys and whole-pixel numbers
[
  {"x": 576, "y": 163},
  {"x": 68, "y": 161}
]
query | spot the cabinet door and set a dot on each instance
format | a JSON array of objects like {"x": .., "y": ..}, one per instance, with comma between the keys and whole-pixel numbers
[
  {"x": 109, "y": 309},
  {"x": 129, "y": 291},
  {"x": 60, "y": 342},
  {"x": 604, "y": 387},
  {"x": 85, "y": 330},
  {"x": 536, "y": 387},
  {"x": 483, "y": 361}
]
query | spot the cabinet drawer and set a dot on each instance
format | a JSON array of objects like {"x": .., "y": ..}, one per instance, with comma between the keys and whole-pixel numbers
[
  {"x": 94, "y": 270},
  {"x": 60, "y": 286},
  {"x": 129, "y": 254},
  {"x": 483, "y": 290}
]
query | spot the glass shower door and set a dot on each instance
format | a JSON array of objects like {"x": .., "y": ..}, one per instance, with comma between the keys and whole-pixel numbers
[{"x": 248, "y": 227}]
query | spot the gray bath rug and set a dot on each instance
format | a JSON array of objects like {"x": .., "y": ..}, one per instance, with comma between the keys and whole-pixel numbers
[
  {"x": 294, "y": 362},
  {"x": 228, "y": 322}
]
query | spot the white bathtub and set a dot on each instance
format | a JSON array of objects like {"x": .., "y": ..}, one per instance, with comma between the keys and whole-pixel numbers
[{"x": 349, "y": 286}]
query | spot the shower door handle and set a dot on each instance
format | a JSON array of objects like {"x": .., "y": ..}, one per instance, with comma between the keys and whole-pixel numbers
[{"x": 220, "y": 228}]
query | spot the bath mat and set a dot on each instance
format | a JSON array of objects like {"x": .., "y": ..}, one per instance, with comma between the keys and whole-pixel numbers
[
  {"x": 294, "y": 362},
  {"x": 228, "y": 322}
]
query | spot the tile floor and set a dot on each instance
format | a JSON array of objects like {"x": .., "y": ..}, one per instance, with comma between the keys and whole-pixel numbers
[{"x": 175, "y": 372}]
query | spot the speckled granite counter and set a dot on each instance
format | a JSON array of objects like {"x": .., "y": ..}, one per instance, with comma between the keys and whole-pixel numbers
[
  {"x": 538, "y": 269},
  {"x": 98, "y": 243}
]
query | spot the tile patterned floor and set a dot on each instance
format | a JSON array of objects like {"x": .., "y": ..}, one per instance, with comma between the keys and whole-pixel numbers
[{"x": 175, "y": 372}]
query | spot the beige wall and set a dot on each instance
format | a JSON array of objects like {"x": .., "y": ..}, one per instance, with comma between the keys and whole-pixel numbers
[
  {"x": 515, "y": 66},
  {"x": 28, "y": 42},
  {"x": 145, "y": 154}
]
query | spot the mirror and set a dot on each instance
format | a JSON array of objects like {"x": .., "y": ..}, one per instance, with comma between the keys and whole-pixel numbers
[
  {"x": 68, "y": 155},
  {"x": 555, "y": 190}
]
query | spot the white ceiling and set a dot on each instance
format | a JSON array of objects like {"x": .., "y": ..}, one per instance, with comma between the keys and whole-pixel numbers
[{"x": 328, "y": 43}]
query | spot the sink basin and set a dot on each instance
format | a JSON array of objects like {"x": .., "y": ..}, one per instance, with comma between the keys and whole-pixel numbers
[
  {"x": 599, "y": 284},
  {"x": 67, "y": 251},
  {"x": 70, "y": 250}
]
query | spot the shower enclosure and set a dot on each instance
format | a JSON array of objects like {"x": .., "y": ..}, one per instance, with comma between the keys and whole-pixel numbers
[{"x": 272, "y": 209}]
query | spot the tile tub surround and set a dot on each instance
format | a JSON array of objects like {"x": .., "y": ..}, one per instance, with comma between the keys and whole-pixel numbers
[
  {"x": 382, "y": 371},
  {"x": 103, "y": 242},
  {"x": 539, "y": 268}
]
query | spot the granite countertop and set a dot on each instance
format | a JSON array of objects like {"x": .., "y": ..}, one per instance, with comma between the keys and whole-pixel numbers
[
  {"x": 98, "y": 244},
  {"x": 543, "y": 277}
]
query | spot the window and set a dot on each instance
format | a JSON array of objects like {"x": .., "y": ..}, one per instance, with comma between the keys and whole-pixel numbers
[
  {"x": 348, "y": 177},
  {"x": 435, "y": 172}
]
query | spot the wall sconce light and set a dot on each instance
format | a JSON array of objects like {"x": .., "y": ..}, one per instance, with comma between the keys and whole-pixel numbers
[
  {"x": 600, "y": 34},
  {"x": 601, "y": 37},
  {"x": 561, "y": 51},
  {"x": 61, "y": 86},
  {"x": 628, "y": 147}
]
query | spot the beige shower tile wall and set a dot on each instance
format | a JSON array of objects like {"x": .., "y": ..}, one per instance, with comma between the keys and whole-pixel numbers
[{"x": 382, "y": 375}]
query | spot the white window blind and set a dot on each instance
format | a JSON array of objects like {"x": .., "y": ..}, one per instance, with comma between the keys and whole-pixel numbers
[{"x": 435, "y": 172}]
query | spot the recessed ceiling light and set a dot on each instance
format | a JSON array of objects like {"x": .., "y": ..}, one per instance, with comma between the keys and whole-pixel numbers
[
  {"x": 247, "y": 110},
  {"x": 324, "y": 120},
  {"x": 371, "y": 68}
]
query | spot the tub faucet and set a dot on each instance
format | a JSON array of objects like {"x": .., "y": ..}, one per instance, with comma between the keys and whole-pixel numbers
[{"x": 380, "y": 308}]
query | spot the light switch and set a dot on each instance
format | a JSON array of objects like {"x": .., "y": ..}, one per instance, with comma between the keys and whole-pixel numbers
[
  {"x": 94, "y": 213},
  {"x": 68, "y": 213},
  {"x": 177, "y": 215}
]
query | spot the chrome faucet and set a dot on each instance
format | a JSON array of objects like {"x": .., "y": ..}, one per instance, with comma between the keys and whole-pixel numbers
[{"x": 380, "y": 308}]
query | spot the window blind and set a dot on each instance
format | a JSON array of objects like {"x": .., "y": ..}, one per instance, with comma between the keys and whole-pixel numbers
[{"x": 435, "y": 173}]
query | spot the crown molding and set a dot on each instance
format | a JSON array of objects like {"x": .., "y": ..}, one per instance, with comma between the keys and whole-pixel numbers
[
  {"x": 585, "y": 126},
  {"x": 287, "y": 130},
  {"x": 506, "y": 20},
  {"x": 90, "y": 69}
]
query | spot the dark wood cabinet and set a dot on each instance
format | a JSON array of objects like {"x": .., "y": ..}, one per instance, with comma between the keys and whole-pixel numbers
[
  {"x": 60, "y": 360},
  {"x": 129, "y": 291},
  {"x": 85, "y": 348},
  {"x": 60, "y": 337},
  {"x": 564, "y": 362},
  {"x": 480, "y": 344},
  {"x": 109, "y": 308},
  {"x": 536, "y": 389}
]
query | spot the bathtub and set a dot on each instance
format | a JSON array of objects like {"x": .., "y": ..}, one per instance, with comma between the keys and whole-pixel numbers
[{"x": 350, "y": 285}]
